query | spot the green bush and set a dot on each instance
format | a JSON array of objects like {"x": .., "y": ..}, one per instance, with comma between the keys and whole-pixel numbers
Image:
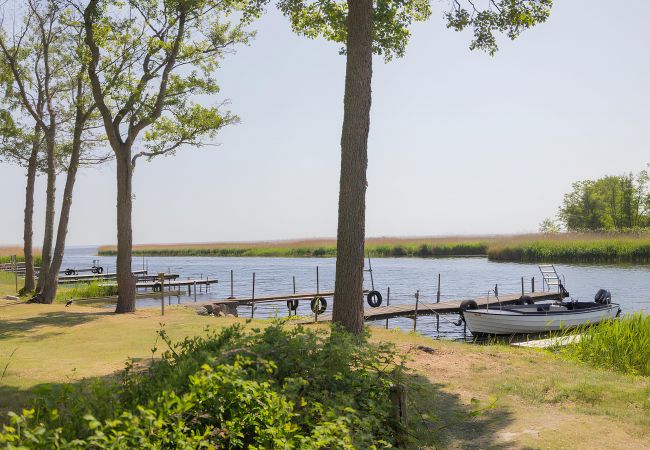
[{"x": 274, "y": 388}]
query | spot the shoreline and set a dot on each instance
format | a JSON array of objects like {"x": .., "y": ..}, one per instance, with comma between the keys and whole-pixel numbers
[{"x": 530, "y": 248}]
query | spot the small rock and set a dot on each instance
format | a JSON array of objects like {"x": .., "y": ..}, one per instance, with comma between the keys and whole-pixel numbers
[
  {"x": 425, "y": 349},
  {"x": 202, "y": 312}
]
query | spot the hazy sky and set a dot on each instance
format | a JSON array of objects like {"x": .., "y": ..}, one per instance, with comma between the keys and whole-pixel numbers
[{"x": 460, "y": 142}]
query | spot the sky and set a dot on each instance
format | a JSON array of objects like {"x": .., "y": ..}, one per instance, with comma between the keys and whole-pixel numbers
[{"x": 460, "y": 142}]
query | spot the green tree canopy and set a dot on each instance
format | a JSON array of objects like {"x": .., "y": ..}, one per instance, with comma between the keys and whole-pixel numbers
[{"x": 620, "y": 203}]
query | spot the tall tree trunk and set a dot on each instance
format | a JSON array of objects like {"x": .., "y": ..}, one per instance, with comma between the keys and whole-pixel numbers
[
  {"x": 28, "y": 230},
  {"x": 52, "y": 280},
  {"x": 125, "y": 281},
  {"x": 348, "y": 292},
  {"x": 48, "y": 236}
]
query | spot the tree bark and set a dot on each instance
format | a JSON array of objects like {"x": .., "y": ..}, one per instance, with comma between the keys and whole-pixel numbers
[
  {"x": 52, "y": 281},
  {"x": 48, "y": 237},
  {"x": 125, "y": 281},
  {"x": 28, "y": 230},
  {"x": 348, "y": 292}
]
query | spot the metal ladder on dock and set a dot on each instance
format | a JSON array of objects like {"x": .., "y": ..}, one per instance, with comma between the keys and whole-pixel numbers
[{"x": 550, "y": 278}]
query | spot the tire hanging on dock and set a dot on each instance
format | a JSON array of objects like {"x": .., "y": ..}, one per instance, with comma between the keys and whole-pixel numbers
[
  {"x": 464, "y": 306},
  {"x": 318, "y": 305},
  {"x": 292, "y": 305},
  {"x": 525, "y": 300},
  {"x": 374, "y": 298}
]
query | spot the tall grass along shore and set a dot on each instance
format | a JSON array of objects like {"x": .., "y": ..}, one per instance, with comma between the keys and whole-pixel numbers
[
  {"x": 618, "y": 344},
  {"x": 559, "y": 247}
]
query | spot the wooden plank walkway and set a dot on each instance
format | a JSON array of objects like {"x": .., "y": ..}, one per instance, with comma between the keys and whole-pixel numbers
[
  {"x": 63, "y": 279},
  {"x": 430, "y": 309},
  {"x": 176, "y": 283},
  {"x": 274, "y": 298}
]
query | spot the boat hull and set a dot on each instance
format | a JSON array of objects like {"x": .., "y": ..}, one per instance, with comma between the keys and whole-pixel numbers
[{"x": 507, "y": 322}]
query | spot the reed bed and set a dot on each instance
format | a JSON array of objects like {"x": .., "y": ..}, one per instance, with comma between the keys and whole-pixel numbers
[
  {"x": 561, "y": 247},
  {"x": 619, "y": 344},
  {"x": 86, "y": 290},
  {"x": 574, "y": 247}
]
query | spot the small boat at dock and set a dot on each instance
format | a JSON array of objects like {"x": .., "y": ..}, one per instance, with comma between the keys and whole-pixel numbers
[
  {"x": 529, "y": 317},
  {"x": 538, "y": 318}
]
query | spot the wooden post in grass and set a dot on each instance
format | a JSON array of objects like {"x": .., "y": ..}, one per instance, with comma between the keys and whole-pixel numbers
[
  {"x": 399, "y": 411},
  {"x": 194, "y": 291},
  {"x": 14, "y": 261}
]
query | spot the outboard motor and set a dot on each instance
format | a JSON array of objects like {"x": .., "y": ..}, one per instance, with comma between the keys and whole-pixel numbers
[{"x": 603, "y": 296}]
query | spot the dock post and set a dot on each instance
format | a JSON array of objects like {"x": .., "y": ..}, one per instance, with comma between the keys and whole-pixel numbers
[
  {"x": 387, "y": 304},
  {"x": 194, "y": 291},
  {"x": 161, "y": 277},
  {"x": 417, "y": 302},
  {"x": 532, "y": 285},
  {"x": 522, "y": 286},
  {"x": 232, "y": 295},
  {"x": 294, "y": 291},
  {"x": 438, "y": 301},
  {"x": 253, "y": 298},
  {"x": 317, "y": 282},
  {"x": 372, "y": 280}
]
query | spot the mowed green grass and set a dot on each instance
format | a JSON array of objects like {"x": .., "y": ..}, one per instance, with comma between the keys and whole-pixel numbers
[
  {"x": 561, "y": 247},
  {"x": 527, "y": 398}
]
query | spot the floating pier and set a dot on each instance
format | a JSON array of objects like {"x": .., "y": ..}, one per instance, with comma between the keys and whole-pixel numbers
[{"x": 63, "y": 279}]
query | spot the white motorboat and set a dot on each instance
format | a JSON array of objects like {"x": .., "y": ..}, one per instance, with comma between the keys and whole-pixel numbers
[
  {"x": 532, "y": 318},
  {"x": 538, "y": 318}
]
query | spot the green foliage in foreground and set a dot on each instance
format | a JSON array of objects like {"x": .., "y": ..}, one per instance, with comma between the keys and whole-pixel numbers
[
  {"x": 86, "y": 290},
  {"x": 614, "y": 249},
  {"x": 274, "y": 388},
  {"x": 620, "y": 344}
]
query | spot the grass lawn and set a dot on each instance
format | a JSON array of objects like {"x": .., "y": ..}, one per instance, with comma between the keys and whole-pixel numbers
[{"x": 539, "y": 400}]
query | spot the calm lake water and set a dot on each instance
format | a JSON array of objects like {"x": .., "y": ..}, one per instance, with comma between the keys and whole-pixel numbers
[{"x": 460, "y": 278}]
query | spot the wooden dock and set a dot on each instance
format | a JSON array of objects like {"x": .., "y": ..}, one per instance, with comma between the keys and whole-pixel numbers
[
  {"x": 169, "y": 284},
  {"x": 431, "y": 309},
  {"x": 274, "y": 298},
  {"x": 63, "y": 279}
]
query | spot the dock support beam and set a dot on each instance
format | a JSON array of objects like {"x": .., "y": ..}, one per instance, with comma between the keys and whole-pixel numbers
[
  {"x": 417, "y": 303},
  {"x": 253, "y": 298},
  {"x": 438, "y": 301}
]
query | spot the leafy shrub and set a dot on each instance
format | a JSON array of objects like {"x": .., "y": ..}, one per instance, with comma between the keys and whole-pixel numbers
[{"x": 271, "y": 388}]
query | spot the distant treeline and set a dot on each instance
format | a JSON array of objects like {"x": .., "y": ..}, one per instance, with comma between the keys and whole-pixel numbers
[
  {"x": 560, "y": 247},
  {"x": 610, "y": 203}
]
